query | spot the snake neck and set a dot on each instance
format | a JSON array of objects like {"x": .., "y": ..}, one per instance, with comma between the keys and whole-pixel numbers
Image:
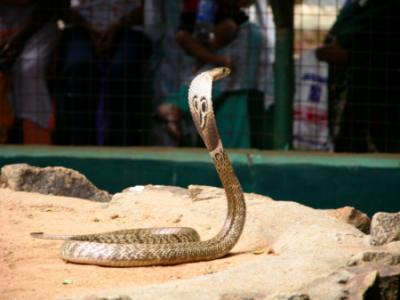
[{"x": 236, "y": 210}]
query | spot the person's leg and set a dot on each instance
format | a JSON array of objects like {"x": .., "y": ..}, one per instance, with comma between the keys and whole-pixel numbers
[
  {"x": 76, "y": 90},
  {"x": 31, "y": 98},
  {"x": 384, "y": 112},
  {"x": 352, "y": 135},
  {"x": 7, "y": 118},
  {"x": 126, "y": 98},
  {"x": 231, "y": 112}
]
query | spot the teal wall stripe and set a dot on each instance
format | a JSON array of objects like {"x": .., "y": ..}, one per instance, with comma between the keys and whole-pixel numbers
[{"x": 371, "y": 183}]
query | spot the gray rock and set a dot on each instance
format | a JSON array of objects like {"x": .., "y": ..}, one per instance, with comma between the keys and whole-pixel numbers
[
  {"x": 58, "y": 181},
  {"x": 385, "y": 228}
]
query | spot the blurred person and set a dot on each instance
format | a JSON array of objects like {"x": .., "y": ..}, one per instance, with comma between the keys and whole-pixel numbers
[
  {"x": 7, "y": 118},
  {"x": 100, "y": 90},
  {"x": 28, "y": 36},
  {"x": 245, "y": 47},
  {"x": 228, "y": 18},
  {"x": 363, "y": 51}
]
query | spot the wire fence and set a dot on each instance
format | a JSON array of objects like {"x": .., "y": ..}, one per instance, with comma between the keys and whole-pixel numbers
[
  {"x": 347, "y": 81},
  {"x": 117, "y": 73}
]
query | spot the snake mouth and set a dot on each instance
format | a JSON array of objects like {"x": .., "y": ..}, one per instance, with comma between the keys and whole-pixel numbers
[{"x": 218, "y": 73}]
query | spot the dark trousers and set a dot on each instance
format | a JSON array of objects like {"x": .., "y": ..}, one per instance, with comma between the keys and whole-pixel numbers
[{"x": 371, "y": 118}]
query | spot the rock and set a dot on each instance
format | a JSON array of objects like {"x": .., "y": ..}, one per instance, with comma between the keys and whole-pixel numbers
[
  {"x": 57, "y": 181},
  {"x": 364, "y": 286},
  {"x": 381, "y": 257},
  {"x": 352, "y": 216},
  {"x": 375, "y": 280},
  {"x": 385, "y": 228}
]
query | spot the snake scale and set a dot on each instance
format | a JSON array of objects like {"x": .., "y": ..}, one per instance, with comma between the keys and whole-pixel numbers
[{"x": 169, "y": 245}]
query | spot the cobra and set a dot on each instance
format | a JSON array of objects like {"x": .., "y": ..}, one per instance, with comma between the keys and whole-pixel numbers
[{"x": 169, "y": 245}]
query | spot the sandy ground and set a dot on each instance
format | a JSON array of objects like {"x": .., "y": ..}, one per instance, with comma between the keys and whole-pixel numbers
[{"x": 31, "y": 268}]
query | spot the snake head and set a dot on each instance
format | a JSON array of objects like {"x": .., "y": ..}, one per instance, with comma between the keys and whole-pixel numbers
[
  {"x": 201, "y": 107},
  {"x": 218, "y": 73}
]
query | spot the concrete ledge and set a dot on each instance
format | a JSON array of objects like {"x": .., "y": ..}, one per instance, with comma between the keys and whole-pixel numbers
[{"x": 370, "y": 182}]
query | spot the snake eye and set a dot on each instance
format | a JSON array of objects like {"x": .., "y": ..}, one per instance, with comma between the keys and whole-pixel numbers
[
  {"x": 204, "y": 106},
  {"x": 195, "y": 103}
]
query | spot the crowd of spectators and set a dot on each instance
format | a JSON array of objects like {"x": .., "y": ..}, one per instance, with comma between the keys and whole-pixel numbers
[
  {"x": 114, "y": 72},
  {"x": 108, "y": 72}
]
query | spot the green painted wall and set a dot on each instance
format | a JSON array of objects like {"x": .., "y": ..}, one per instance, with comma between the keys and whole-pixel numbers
[{"x": 369, "y": 182}]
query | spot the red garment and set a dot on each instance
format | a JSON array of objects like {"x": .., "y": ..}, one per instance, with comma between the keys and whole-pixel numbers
[{"x": 190, "y": 6}]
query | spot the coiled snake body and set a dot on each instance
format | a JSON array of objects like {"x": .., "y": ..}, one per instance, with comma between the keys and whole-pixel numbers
[{"x": 167, "y": 246}]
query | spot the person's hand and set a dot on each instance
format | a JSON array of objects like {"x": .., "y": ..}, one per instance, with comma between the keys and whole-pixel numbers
[
  {"x": 333, "y": 53},
  {"x": 227, "y": 62},
  {"x": 171, "y": 118}
]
